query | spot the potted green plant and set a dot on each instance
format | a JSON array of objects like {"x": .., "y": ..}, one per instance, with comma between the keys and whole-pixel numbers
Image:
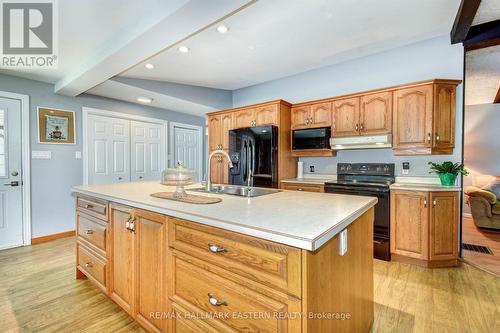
[{"x": 448, "y": 171}]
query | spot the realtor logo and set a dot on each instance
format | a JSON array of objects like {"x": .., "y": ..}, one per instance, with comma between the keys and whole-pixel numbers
[{"x": 29, "y": 34}]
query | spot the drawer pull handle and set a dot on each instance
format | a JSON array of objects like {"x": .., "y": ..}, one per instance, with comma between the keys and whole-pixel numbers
[
  {"x": 300, "y": 189},
  {"x": 88, "y": 264},
  {"x": 89, "y": 206},
  {"x": 89, "y": 232},
  {"x": 434, "y": 203},
  {"x": 216, "y": 248},
  {"x": 215, "y": 302}
]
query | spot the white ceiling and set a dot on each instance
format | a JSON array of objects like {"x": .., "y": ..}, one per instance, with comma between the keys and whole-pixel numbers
[
  {"x": 482, "y": 75},
  {"x": 88, "y": 26},
  {"x": 277, "y": 38},
  {"x": 489, "y": 10}
]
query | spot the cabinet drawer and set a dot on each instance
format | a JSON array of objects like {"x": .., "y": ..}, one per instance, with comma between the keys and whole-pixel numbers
[
  {"x": 183, "y": 323},
  {"x": 303, "y": 187},
  {"x": 92, "y": 231},
  {"x": 93, "y": 266},
  {"x": 203, "y": 292},
  {"x": 93, "y": 206},
  {"x": 259, "y": 260}
]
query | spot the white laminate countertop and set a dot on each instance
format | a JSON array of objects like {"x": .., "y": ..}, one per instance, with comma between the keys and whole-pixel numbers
[
  {"x": 300, "y": 219},
  {"x": 430, "y": 184}
]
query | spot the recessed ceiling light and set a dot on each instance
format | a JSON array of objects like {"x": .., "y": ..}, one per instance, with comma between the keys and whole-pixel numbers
[
  {"x": 183, "y": 49},
  {"x": 149, "y": 66},
  {"x": 144, "y": 100},
  {"x": 222, "y": 29}
]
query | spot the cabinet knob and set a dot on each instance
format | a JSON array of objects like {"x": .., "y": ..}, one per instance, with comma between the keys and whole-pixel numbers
[
  {"x": 216, "y": 302},
  {"x": 425, "y": 203},
  {"x": 216, "y": 248},
  {"x": 89, "y": 232},
  {"x": 88, "y": 264},
  {"x": 437, "y": 137},
  {"x": 434, "y": 203},
  {"x": 361, "y": 127},
  {"x": 89, "y": 206},
  {"x": 299, "y": 189},
  {"x": 357, "y": 127},
  {"x": 428, "y": 137}
]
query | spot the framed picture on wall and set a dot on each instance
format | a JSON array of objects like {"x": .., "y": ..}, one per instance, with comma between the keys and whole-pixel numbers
[{"x": 56, "y": 126}]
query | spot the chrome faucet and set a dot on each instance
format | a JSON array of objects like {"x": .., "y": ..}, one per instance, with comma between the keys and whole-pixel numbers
[{"x": 209, "y": 166}]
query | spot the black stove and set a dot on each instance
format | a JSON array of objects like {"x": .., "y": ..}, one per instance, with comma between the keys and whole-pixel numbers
[{"x": 369, "y": 179}]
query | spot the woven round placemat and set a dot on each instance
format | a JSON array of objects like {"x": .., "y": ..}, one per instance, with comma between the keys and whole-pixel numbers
[{"x": 189, "y": 198}]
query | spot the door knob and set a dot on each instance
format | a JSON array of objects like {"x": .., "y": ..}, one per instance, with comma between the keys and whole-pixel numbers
[
  {"x": 12, "y": 183},
  {"x": 14, "y": 173}
]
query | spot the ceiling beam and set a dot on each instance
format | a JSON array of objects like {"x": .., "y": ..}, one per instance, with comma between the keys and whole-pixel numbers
[
  {"x": 463, "y": 20},
  {"x": 497, "y": 97},
  {"x": 142, "y": 42},
  {"x": 483, "y": 35}
]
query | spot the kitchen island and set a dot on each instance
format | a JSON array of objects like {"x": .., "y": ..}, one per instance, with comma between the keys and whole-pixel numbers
[{"x": 273, "y": 263}]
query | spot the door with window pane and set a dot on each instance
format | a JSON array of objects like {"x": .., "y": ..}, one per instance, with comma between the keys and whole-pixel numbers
[{"x": 11, "y": 226}]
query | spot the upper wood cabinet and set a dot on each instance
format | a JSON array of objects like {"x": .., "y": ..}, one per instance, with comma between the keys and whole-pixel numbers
[
  {"x": 266, "y": 115},
  {"x": 346, "y": 117},
  {"x": 312, "y": 116},
  {"x": 409, "y": 224},
  {"x": 424, "y": 119},
  {"x": 375, "y": 114},
  {"x": 424, "y": 226},
  {"x": 218, "y": 131},
  {"x": 243, "y": 118}
]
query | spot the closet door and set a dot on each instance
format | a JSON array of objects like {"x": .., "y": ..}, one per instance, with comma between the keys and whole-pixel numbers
[
  {"x": 108, "y": 141},
  {"x": 147, "y": 150}
]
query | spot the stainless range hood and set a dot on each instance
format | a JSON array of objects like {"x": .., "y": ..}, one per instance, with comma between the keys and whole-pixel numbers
[{"x": 361, "y": 142}]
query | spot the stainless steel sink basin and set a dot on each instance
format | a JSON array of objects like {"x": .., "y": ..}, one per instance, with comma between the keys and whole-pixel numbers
[{"x": 241, "y": 191}]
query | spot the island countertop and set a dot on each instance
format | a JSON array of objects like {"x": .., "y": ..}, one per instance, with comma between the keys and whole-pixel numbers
[{"x": 299, "y": 219}]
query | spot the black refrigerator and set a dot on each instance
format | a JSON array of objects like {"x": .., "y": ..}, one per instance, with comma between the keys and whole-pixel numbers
[{"x": 254, "y": 153}]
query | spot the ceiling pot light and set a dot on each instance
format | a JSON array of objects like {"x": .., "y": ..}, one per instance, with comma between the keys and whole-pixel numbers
[
  {"x": 183, "y": 49},
  {"x": 144, "y": 100},
  {"x": 149, "y": 66},
  {"x": 222, "y": 29}
]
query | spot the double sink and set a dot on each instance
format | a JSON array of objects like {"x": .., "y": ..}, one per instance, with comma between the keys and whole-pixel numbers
[{"x": 241, "y": 191}]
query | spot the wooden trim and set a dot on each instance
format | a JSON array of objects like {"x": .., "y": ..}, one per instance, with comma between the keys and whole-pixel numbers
[
  {"x": 48, "y": 238},
  {"x": 483, "y": 35},
  {"x": 463, "y": 20},
  {"x": 314, "y": 152},
  {"x": 276, "y": 101},
  {"x": 497, "y": 97},
  {"x": 380, "y": 90},
  {"x": 424, "y": 263}
]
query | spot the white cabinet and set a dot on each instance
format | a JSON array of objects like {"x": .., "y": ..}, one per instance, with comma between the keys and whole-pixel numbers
[{"x": 122, "y": 150}]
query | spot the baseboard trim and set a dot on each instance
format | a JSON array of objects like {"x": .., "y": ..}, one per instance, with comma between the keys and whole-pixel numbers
[
  {"x": 467, "y": 215},
  {"x": 48, "y": 238}
]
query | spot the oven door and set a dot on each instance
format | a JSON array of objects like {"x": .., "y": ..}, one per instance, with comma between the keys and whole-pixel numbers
[
  {"x": 314, "y": 138},
  {"x": 381, "y": 226}
]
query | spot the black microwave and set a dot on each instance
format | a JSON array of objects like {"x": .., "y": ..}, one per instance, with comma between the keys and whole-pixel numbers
[{"x": 312, "y": 138}]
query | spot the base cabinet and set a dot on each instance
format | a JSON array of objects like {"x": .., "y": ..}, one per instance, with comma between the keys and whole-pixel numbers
[
  {"x": 424, "y": 227},
  {"x": 173, "y": 275}
]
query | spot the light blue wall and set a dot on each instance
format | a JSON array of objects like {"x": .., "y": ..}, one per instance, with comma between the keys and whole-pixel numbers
[
  {"x": 434, "y": 58},
  {"x": 52, "y": 203}
]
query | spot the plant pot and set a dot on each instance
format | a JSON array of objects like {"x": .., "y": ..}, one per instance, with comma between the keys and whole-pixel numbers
[{"x": 448, "y": 179}]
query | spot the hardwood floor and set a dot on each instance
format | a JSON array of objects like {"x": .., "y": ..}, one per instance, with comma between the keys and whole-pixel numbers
[
  {"x": 474, "y": 235},
  {"x": 39, "y": 293}
]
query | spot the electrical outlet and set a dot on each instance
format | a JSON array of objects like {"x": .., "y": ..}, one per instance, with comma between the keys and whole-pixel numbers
[
  {"x": 311, "y": 168},
  {"x": 406, "y": 168}
]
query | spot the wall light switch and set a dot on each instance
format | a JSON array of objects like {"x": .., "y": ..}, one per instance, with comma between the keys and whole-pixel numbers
[
  {"x": 343, "y": 242},
  {"x": 78, "y": 155},
  {"x": 41, "y": 154}
]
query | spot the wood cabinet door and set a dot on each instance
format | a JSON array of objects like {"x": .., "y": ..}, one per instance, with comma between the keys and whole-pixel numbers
[
  {"x": 375, "y": 115},
  {"x": 444, "y": 116},
  {"x": 412, "y": 123},
  {"x": 346, "y": 117},
  {"x": 409, "y": 223},
  {"x": 266, "y": 115},
  {"x": 214, "y": 132},
  {"x": 151, "y": 262},
  {"x": 321, "y": 115},
  {"x": 243, "y": 118},
  {"x": 443, "y": 242},
  {"x": 122, "y": 259},
  {"x": 300, "y": 116},
  {"x": 226, "y": 120},
  {"x": 215, "y": 171}
]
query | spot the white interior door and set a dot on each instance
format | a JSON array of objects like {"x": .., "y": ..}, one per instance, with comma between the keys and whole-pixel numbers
[
  {"x": 147, "y": 150},
  {"x": 187, "y": 148},
  {"x": 11, "y": 205},
  {"x": 108, "y": 141}
]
